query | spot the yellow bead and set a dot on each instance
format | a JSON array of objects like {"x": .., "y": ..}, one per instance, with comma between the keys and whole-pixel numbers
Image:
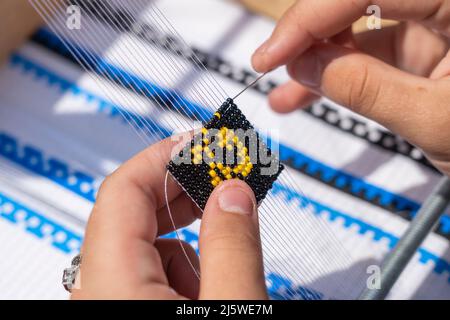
[
  {"x": 198, "y": 156},
  {"x": 206, "y": 149},
  {"x": 229, "y": 147},
  {"x": 219, "y": 166},
  {"x": 221, "y": 144},
  {"x": 206, "y": 141},
  {"x": 224, "y": 172},
  {"x": 247, "y": 159},
  {"x": 244, "y": 173},
  {"x": 249, "y": 166},
  {"x": 212, "y": 173},
  {"x": 240, "y": 167},
  {"x": 211, "y": 155},
  {"x": 212, "y": 165},
  {"x": 204, "y": 130},
  {"x": 214, "y": 183},
  {"x": 193, "y": 150},
  {"x": 236, "y": 170},
  {"x": 244, "y": 150},
  {"x": 198, "y": 148},
  {"x": 228, "y": 177},
  {"x": 235, "y": 139},
  {"x": 196, "y": 161},
  {"x": 217, "y": 179},
  {"x": 217, "y": 115}
]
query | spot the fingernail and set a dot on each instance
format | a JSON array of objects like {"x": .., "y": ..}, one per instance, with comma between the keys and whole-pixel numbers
[
  {"x": 236, "y": 200},
  {"x": 308, "y": 70},
  {"x": 262, "y": 55},
  {"x": 262, "y": 48}
]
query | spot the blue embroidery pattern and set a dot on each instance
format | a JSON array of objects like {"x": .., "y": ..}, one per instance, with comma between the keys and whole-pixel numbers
[
  {"x": 295, "y": 158},
  {"x": 58, "y": 171},
  {"x": 61, "y": 238}
]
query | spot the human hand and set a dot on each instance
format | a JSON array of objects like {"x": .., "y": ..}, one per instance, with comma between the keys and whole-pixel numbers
[
  {"x": 123, "y": 258},
  {"x": 398, "y": 76}
]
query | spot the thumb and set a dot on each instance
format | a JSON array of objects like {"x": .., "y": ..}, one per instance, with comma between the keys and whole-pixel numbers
[
  {"x": 231, "y": 261},
  {"x": 398, "y": 100}
]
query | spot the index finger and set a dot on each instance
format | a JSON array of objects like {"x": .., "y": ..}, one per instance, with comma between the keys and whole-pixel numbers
[{"x": 308, "y": 21}]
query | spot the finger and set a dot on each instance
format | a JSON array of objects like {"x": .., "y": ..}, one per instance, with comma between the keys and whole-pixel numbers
[
  {"x": 178, "y": 269},
  {"x": 400, "y": 47},
  {"x": 230, "y": 247},
  {"x": 308, "y": 21},
  {"x": 400, "y": 101},
  {"x": 442, "y": 70},
  {"x": 291, "y": 96},
  {"x": 118, "y": 250},
  {"x": 345, "y": 38},
  {"x": 183, "y": 210}
]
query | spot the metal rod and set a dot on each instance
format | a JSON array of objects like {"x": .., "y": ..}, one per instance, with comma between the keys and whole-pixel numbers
[{"x": 426, "y": 218}]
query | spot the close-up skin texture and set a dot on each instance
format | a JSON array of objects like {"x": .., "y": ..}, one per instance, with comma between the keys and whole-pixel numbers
[{"x": 398, "y": 76}]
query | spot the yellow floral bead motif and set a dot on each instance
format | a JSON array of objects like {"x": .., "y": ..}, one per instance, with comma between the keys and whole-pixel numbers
[
  {"x": 226, "y": 138},
  {"x": 214, "y": 183}
]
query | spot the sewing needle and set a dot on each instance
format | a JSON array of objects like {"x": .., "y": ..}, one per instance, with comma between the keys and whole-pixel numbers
[{"x": 250, "y": 85}]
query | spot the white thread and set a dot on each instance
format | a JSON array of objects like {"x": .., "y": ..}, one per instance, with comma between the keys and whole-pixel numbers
[{"x": 175, "y": 227}]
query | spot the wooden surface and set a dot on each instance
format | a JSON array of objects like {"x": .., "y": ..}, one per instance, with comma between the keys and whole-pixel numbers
[{"x": 18, "y": 20}]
